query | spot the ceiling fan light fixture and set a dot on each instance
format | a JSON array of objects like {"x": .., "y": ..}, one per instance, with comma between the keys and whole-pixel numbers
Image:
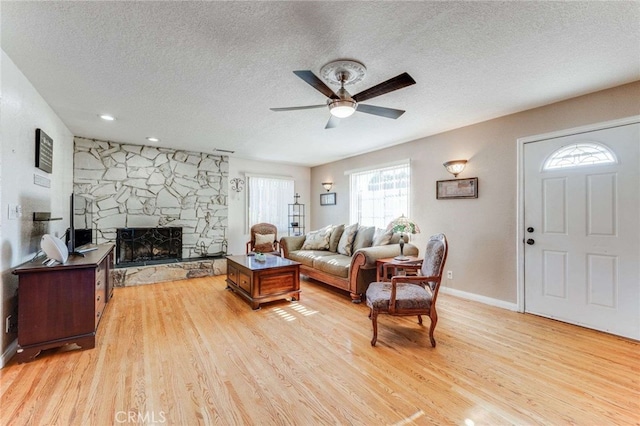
[{"x": 342, "y": 108}]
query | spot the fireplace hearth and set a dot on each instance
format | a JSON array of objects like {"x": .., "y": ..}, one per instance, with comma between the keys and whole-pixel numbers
[{"x": 148, "y": 246}]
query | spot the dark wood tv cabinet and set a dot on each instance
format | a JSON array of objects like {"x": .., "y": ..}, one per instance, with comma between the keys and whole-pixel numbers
[{"x": 62, "y": 304}]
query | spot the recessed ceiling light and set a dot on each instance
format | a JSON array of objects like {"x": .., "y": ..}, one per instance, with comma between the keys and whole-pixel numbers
[
  {"x": 150, "y": 139},
  {"x": 107, "y": 117}
]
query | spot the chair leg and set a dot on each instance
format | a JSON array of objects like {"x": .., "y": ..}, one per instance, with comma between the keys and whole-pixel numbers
[
  {"x": 434, "y": 321},
  {"x": 374, "y": 322}
]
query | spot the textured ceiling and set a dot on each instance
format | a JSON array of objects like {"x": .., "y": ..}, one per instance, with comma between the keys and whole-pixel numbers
[{"x": 203, "y": 75}]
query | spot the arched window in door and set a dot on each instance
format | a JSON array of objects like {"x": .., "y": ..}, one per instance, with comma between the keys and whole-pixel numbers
[{"x": 580, "y": 154}]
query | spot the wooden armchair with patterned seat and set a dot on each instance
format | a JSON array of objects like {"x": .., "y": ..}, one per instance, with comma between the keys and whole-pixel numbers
[
  {"x": 411, "y": 294},
  {"x": 264, "y": 239}
]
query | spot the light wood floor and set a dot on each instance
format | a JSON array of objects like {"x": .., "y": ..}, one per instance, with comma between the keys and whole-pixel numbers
[{"x": 191, "y": 352}]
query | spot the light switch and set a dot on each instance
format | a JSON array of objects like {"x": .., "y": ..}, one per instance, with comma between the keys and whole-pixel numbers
[{"x": 13, "y": 212}]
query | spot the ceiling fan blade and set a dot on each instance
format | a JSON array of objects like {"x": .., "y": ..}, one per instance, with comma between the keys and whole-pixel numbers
[
  {"x": 395, "y": 83},
  {"x": 381, "y": 111},
  {"x": 311, "y": 79},
  {"x": 333, "y": 122},
  {"x": 297, "y": 108}
]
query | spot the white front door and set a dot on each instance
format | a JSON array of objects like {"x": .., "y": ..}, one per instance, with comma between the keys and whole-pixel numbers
[{"x": 582, "y": 232}]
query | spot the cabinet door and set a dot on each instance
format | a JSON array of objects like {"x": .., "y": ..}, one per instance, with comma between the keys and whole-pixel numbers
[
  {"x": 244, "y": 282},
  {"x": 232, "y": 274},
  {"x": 55, "y": 305}
]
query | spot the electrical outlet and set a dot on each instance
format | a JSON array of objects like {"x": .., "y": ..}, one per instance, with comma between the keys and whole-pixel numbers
[
  {"x": 449, "y": 275},
  {"x": 7, "y": 324}
]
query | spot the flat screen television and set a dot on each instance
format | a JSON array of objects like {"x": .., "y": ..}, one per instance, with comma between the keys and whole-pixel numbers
[{"x": 80, "y": 231}]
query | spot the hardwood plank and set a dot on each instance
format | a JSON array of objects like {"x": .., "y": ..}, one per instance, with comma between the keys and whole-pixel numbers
[{"x": 192, "y": 352}]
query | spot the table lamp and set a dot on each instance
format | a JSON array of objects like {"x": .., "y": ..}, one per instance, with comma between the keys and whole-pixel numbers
[{"x": 403, "y": 225}]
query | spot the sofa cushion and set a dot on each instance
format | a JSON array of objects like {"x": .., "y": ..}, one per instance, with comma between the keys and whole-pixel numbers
[
  {"x": 318, "y": 240},
  {"x": 364, "y": 237},
  {"x": 334, "y": 239},
  {"x": 307, "y": 257},
  {"x": 345, "y": 246},
  {"x": 337, "y": 265},
  {"x": 382, "y": 237}
]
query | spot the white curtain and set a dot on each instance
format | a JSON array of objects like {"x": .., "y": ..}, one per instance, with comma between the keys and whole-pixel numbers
[{"x": 267, "y": 201}]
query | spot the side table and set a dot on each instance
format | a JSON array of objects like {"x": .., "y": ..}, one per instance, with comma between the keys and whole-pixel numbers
[{"x": 393, "y": 264}]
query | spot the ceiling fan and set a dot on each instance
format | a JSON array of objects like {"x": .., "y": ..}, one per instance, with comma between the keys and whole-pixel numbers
[{"x": 341, "y": 104}]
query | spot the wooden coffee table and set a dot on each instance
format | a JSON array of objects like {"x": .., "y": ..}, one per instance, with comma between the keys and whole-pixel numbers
[{"x": 259, "y": 282}]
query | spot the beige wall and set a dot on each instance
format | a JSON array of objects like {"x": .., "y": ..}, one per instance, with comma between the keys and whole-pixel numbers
[
  {"x": 481, "y": 232},
  {"x": 23, "y": 111}
]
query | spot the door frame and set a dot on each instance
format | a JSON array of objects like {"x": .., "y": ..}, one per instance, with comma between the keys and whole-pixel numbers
[{"x": 520, "y": 234}]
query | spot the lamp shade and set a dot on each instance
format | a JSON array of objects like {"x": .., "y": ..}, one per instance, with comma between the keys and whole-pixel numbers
[
  {"x": 403, "y": 225},
  {"x": 455, "y": 167}
]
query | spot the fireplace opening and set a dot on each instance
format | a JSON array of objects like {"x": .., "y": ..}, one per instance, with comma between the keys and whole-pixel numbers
[{"x": 148, "y": 246}]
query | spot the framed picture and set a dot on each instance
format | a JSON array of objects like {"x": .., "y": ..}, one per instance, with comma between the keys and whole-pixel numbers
[
  {"x": 328, "y": 199},
  {"x": 457, "y": 188},
  {"x": 44, "y": 151}
]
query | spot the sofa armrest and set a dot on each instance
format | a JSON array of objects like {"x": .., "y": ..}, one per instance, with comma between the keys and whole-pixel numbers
[
  {"x": 289, "y": 244},
  {"x": 371, "y": 254}
]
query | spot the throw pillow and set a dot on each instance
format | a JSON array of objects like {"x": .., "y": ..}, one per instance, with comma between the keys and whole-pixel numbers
[
  {"x": 364, "y": 237},
  {"x": 318, "y": 240},
  {"x": 382, "y": 237},
  {"x": 265, "y": 239},
  {"x": 345, "y": 245},
  {"x": 264, "y": 243},
  {"x": 336, "y": 233}
]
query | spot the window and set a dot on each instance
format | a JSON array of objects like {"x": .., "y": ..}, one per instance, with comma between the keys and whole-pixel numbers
[
  {"x": 579, "y": 154},
  {"x": 267, "y": 200},
  {"x": 380, "y": 195}
]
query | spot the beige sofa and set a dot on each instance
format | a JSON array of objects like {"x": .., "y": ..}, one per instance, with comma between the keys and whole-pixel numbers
[{"x": 351, "y": 273}]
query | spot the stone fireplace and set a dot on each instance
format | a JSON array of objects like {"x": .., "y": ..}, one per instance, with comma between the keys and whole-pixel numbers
[
  {"x": 135, "y": 186},
  {"x": 148, "y": 246}
]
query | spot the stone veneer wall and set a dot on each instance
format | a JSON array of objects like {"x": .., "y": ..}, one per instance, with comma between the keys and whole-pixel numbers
[
  {"x": 138, "y": 275},
  {"x": 142, "y": 186}
]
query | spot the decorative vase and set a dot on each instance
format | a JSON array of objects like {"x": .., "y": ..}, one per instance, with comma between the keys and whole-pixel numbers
[{"x": 260, "y": 257}]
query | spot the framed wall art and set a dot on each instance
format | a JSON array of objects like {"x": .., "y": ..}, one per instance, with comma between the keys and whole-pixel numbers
[
  {"x": 44, "y": 151},
  {"x": 327, "y": 199},
  {"x": 457, "y": 188}
]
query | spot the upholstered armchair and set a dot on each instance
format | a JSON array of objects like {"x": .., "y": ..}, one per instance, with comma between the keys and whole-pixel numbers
[
  {"x": 412, "y": 294},
  {"x": 264, "y": 239}
]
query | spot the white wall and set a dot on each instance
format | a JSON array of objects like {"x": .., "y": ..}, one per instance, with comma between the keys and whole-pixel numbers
[
  {"x": 238, "y": 234},
  {"x": 23, "y": 111},
  {"x": 481, "y": 232}
]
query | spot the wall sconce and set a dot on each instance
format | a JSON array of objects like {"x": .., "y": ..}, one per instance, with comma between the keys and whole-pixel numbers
[
  {"x": 236, "y": 184},
  {"x": 455, "y": 167},
  {"x": 327, "y": 185}
]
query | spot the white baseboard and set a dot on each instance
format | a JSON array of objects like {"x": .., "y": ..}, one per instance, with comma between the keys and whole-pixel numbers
[
  {"x": 9, "y": 353},
  {"x": 479, "y": 298}
]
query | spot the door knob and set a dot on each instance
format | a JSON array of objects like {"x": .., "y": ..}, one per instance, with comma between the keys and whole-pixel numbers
[
  {"x": 531, "y": 241},
  {"x": 529, "y": 229}
]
